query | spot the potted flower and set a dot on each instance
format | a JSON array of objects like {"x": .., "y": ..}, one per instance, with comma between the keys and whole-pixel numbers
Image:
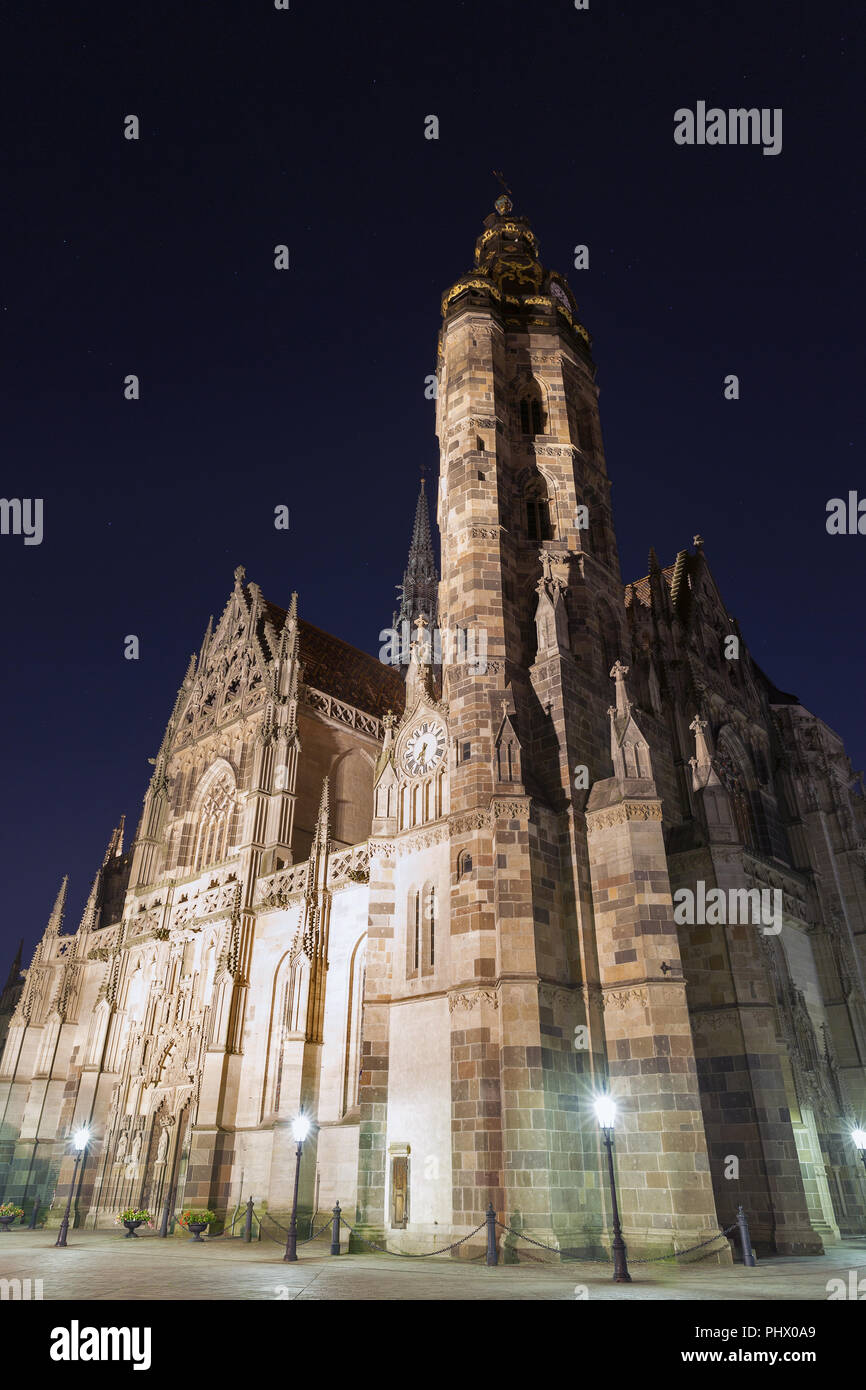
[
  {"x": 132, "y": 1218},
  {"x": 9, "y": 1213},
  {"x": 197, "y": 1220}
]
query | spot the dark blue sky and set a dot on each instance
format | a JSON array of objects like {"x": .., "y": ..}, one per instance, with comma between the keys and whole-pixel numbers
[{"x": 306, "y": 388}]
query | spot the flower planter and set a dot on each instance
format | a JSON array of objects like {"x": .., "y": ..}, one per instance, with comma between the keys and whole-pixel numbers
[
  {"x": 131, "y": 1228},
  {"x": 197, "y": 1227}
]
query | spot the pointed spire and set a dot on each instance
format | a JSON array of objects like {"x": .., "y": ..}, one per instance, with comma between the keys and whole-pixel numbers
[
  {"x": 419, "y": 592},
  {"x": 290, "y": 635},
  {"x": 55, "y": 921},
  {"x": 623, "y": 703},
  {"x": 205, "y": 641},
  {"x": 323, "y": 818},
  {"x": 629, "y": 749},
  {"x": 115, "y": 844},
  {"x": 703, "y": 772},
  {"x": 321, "y": 846},
  {"x": 653, "y": 561}
]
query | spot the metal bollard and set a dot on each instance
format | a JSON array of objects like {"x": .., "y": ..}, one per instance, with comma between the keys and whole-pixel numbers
[
  {"x": 248, "y": 1222},
  {"x": 335, "y": 1231},
  {"x": 31, "y": 1226},
  {"x": 745, "y": 1239},
  {"x": 492, "y": 1257}
]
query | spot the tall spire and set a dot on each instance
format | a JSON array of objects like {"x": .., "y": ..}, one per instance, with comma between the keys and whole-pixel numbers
[
  {"x": 420, "y": 588},
  {"x": 55, "y": 921},
  {"x": 115, "y": 844}
]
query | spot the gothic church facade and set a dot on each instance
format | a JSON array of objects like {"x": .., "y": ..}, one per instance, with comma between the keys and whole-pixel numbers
[{"x": 436, "y": 908}]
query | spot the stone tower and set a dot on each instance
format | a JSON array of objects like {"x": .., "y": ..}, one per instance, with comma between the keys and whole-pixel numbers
[{"x": 541, "y": 918}]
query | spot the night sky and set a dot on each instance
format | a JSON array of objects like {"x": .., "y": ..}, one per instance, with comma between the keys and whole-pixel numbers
[{"x": 306, "y": 387}]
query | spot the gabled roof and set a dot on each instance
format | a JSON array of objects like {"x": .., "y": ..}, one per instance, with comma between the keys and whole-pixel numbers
[
  {"x": 641, "y": 587},
  {"x": 339, "y": 669}
]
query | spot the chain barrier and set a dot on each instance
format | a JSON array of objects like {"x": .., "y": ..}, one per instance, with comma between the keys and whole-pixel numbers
[
  {"x": 653, "y": 1259},
  {"x": 266, "y": 1216},
  {"x": 402, "y": 1254},
  {"x": 224, "y": 1234},
  {"x": 444, "y": 1250}
]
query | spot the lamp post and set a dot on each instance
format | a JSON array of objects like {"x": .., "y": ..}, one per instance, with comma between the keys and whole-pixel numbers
[
  {"x": 79, "y": 1141},
  {"x": 300, "y": 1129},
  {"x": 605, "y": 1109}
]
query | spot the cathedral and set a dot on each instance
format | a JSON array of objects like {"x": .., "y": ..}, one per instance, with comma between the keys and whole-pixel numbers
[{"x": 439, "y": 904}]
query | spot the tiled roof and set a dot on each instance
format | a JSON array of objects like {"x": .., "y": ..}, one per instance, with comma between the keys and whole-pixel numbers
[
  {"x": 341, "y": 670},
  {"x": 641, "y": 587}
]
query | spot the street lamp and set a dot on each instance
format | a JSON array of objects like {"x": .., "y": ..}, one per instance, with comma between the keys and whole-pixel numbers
[
  {"x": 859, "y": 1137},
  {"x": 301, "y": 1127},
  {"x": 605, "y": 1110},
  {"x": 80, "y": 1141}
]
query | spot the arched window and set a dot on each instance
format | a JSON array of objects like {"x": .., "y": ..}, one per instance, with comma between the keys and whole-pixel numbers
[
  {"x": 531, "y": 415},
  {"x": 217, "y": 819},
  {"x": 431, "y": 928},
  {"x": 531, "y": 412},
  {"x": 298, "y": 987},
  {"x": 734, "y": 781},
  {"x": 354, "y": 1028},
  {"x": 421, "y": 932},
  {"x": 464, "y": 863},
  {"x": 288, "y": 1015},
  {"x": 537, "y": 504}
]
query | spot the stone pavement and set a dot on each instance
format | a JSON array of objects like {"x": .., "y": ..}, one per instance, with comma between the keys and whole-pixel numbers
[{"x": 104, "y": 1266}]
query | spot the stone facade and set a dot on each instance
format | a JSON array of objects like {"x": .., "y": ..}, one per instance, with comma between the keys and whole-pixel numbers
[{"x": 441, "y": 909}]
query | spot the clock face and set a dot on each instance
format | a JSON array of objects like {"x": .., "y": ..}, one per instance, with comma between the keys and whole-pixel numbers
[
  {"x": 559, "y": 293},
  {"x": 425, "y": 748}
]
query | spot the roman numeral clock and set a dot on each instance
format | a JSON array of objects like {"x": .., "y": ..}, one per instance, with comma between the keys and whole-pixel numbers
[{"x": 424, "y": 749}]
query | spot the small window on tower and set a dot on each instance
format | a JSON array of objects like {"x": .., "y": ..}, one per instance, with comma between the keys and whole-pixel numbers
[
  {"x": 464, "y": 863},
  {"x": 532, "y": 419},
  {"x": 538, "y": 520}
]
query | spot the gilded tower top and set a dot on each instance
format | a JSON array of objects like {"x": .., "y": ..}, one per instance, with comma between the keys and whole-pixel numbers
[{"x": 509, "y": 271}]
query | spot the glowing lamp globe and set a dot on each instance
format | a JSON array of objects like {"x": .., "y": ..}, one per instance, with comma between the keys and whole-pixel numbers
[
  {"x": 605, "y": 1109},
  {"x": 300, "y": 1128}
]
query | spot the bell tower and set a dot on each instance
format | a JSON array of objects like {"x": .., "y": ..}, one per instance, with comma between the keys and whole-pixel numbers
[
  {"x": 529, "y": 563},
  {"x": 522, "y": 952}
]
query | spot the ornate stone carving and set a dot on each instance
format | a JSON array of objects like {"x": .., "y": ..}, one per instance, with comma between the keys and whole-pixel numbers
[
  {"x": 510, "y": 808},
  {"x": 476, "y": 820},
  {"x": 469, "y": 999},
  {"x": 621, "y": 998},
  {"x": 618, "y": 815}
]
